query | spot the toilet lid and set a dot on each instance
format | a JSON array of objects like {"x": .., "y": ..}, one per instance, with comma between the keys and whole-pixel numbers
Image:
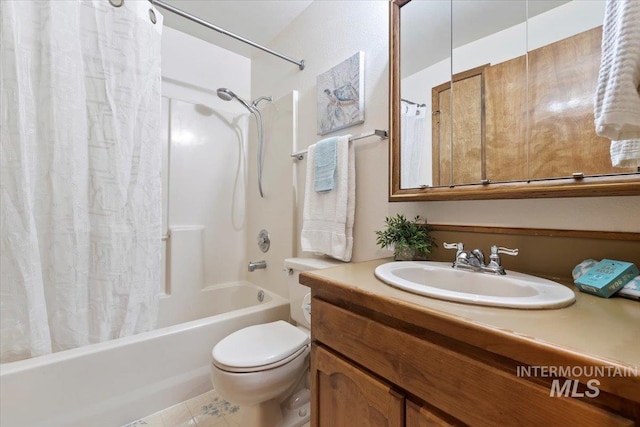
[{"x": 259, "y": 345}]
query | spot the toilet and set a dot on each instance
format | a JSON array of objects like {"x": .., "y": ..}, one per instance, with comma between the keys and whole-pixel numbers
[{"x": 265, "y": 368}]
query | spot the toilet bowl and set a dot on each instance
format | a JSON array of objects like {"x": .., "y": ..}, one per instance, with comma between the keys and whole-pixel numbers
[{"x": 265, "y": 368}]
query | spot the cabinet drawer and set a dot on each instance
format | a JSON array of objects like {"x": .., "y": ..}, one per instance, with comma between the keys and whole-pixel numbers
[{"x": 469, "y": 390}]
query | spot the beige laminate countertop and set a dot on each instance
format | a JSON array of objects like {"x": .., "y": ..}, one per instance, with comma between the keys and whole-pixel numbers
[{"x": 593, "y": 330}]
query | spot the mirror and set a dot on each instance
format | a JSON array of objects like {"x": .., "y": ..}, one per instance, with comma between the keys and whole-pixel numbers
[{"x": 495, "y": 100}]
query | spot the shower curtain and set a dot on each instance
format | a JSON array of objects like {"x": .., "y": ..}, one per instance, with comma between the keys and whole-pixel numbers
[
  {"x": 412, "y": 121},
  {"x": 80, "y": 164}
]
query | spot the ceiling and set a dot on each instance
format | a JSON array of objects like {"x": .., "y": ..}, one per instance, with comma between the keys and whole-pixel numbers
[{"x": 257, "y": 20}]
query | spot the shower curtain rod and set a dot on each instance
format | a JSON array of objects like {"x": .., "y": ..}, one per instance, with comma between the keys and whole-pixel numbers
[
  {"x": 413, "y": 103},
  {"x": 209, "y": 25}
]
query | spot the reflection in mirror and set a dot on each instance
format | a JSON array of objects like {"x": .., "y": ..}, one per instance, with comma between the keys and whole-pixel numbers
[
  {"x": 563, "y": 65},
  {"x": 507, "y": 97},
  {"x": 425, "y": 31},
  {"x": 487, "y": 35}
]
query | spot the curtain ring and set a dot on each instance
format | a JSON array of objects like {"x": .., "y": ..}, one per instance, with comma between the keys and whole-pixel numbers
[
  {"x": 152, "y": 15},
  {"x": 116, "y": 3}
]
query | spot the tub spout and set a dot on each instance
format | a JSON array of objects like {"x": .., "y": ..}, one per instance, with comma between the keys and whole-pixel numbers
[{"x": 257, "y": 265}]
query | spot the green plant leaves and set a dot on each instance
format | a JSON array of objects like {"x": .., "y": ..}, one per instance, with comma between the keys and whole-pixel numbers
[{"x": 402, "y": 233}]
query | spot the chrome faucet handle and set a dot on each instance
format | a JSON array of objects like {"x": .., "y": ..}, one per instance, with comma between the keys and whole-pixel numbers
[
  {"x": 495, "y": 264},
  {"x": 500, "y": 250},
  {"x": 459, "y": 246}
]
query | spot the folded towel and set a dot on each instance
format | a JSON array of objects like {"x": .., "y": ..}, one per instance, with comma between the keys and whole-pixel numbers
[
  {"x": 617, "y": 103},
  {"x": 327, "y": 218},
  {"x": 625, "y": 154},
  {"x": 324, "y": 164}
]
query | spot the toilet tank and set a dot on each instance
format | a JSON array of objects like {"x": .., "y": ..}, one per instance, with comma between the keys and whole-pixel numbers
[{"x": 297, "y": 291}]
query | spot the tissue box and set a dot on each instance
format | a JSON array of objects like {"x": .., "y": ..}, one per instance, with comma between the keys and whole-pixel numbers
[{"x": 606, "y": 277}]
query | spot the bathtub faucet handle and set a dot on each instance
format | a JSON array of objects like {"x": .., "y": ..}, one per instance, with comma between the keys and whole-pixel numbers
[{"x": 257, "y": 265}]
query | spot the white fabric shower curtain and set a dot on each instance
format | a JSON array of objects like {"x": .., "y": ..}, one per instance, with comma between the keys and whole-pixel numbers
[
  {"x": 412, "y": 131},
  {"x": 80, "y": 189}
]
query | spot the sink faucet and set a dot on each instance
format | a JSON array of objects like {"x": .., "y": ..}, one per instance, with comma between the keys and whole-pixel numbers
[
  {"x": 466, "y": 260},
  {"x": 474, "y": 260}
]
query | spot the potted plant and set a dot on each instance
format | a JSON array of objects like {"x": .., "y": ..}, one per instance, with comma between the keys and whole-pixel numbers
[{"x": 410, "y": 239}]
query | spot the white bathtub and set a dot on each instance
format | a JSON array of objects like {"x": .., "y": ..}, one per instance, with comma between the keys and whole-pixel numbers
[{"x": 113, "y": 383}]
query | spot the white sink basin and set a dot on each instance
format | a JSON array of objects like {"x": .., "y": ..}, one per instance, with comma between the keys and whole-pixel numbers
[{"x": 440, "y": 280}]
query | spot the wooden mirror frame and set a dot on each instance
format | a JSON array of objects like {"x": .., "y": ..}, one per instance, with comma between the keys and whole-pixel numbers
[{"x": 614, "y": 185}]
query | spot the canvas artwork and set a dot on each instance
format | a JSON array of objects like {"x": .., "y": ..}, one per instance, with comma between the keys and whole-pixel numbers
[{"x": 341, "y": 95}]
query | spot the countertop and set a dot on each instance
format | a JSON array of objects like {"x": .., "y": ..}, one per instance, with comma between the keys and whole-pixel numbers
[{"x": 592, "y": 331}]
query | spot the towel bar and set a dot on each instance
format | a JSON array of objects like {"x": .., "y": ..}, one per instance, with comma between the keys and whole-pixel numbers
[{"x": 378, "y": 132}]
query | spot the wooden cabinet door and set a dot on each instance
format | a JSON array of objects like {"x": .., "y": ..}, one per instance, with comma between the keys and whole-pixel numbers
[
  {"x": 343, "y": 395},
  {"x": 505, "y": 103},
  {"x": 458, "y": 129},
  {"x": 420, "y": 416}
]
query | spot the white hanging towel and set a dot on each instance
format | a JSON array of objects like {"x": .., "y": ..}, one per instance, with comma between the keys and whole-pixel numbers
[
  {"x": 617, "y": 103},
  {"x": 327, "y": 219},
  {"x": 625, "y": 154}
]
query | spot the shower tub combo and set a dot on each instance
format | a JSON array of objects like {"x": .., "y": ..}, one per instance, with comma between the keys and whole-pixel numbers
[{"x": 116, "y": 382}]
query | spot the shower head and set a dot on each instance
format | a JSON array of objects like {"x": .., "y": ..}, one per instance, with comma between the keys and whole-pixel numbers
[{"x": 227, "y": 95}]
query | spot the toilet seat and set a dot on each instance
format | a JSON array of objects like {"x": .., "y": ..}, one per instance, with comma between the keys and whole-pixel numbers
[
  {"x": 284, "y": 361},
  {"x": 260, "y": 347}
]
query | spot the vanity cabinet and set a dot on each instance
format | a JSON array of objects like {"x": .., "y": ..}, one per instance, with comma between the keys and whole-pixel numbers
[{"x": 371, "y": 369}]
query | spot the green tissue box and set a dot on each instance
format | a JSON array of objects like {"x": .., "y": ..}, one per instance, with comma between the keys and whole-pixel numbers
[{"x": 606, "y": 277}]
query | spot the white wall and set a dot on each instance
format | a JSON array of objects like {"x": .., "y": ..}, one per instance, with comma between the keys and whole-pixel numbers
[
  {"x": 328, "y": 32},
  {"x": 325, "y": 34},
  {"x": 206, "y": 169},
  {"x": 193, "y": 69}
]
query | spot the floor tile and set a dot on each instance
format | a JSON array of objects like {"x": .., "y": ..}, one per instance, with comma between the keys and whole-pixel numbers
[
  {"x": 177, "y": 416},
  {"x": 218, "y": 407},
  {"x": 154, "y": 420},
  {"x": 208, "y": 410},
  {"x": 201, "y": 404},
  {"x": 209, "y": 421},
  {"x": 233, "y": 419},
  {"x": 138, "y": 423}
]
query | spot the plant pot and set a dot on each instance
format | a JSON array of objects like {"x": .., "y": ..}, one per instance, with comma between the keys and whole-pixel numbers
[{"x": 404, "y": 254}]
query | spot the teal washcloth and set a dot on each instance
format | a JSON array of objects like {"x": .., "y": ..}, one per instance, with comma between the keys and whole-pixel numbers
[{"x": 326, "y": 155}]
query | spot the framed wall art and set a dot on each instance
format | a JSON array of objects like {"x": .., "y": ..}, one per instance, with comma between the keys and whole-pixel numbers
[{"x": 341, "y": 95}]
